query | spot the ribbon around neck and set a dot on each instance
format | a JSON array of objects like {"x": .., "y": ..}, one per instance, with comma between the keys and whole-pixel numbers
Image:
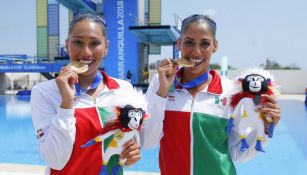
[
  {"x": 98, "y": 78},
  {"x": 194, "y": 83}
]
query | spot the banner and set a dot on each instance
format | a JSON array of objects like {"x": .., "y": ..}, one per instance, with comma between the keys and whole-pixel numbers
[
  {"x": 123, "y": 46},
  {"x": 41, "y": 67}
]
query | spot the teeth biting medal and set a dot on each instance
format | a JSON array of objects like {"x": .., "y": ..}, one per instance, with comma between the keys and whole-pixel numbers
[
  {"x": 78, "y": 67},
  {"x": 184, "y": 62}
]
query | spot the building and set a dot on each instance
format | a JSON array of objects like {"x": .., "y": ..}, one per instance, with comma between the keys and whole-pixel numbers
[{"x": 134, "y": 31}]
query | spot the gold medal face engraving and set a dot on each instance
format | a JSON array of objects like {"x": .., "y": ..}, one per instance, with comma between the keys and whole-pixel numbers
[
  {"x": 119, "y": 135},
  {"x": 184, "y": 62},
  {"x": 78, "y": 67}
]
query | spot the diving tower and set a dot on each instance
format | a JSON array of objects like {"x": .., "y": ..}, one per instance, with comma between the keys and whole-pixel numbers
[
  {"x": 157, "y": 35},
  {"x": 134, "y": 30},
  {"x": 93, "y": 6}
]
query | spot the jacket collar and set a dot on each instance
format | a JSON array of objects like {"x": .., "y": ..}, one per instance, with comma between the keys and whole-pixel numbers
[
  {"x": 215, "y": 86},
  {"x": 110, "y": 82}
]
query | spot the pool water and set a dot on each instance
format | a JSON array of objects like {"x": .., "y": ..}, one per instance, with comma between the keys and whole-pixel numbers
[
  {"x": 17, "y": 143},
  {"x": 285, "y": 154}
]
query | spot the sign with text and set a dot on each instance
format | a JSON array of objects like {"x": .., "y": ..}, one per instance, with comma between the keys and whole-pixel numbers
[
  {"x": 48, "y": 67},
  {"x": 123, "y": 46}
]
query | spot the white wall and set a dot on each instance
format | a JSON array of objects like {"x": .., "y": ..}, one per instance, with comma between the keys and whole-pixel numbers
[{"x": 22, "y": 79}]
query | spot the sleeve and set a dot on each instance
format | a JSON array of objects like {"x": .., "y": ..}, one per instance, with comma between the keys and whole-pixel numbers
[
  {"x": 152, "y": 130},
  {"x": 55, "y": 128},
  {"x": 234, "y": 141}
]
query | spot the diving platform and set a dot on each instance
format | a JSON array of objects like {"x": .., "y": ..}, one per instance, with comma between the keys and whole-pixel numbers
[
  {"x": 92, "y": 6},
  {"x": 159, "y": 35}
]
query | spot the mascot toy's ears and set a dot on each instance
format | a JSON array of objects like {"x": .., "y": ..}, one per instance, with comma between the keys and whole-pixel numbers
[
  {"x": 118, "y": 110},
  {"x": 241, "y": 80},
  {"x": 145, "y": 115}
]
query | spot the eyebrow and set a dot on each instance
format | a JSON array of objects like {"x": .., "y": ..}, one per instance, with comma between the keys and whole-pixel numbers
[
  {"x": 80, "y": 37},
  {"x": 203, "y": 39}
]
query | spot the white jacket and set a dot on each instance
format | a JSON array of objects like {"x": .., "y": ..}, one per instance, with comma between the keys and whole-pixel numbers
[{"x": 57, "y": 125}]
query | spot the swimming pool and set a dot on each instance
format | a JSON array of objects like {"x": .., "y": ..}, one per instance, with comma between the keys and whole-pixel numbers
[{"x": 286, "y": 153}]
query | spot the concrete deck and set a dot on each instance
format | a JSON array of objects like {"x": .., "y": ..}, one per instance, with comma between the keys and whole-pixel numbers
[
  {"x": 300, "y": 97},
  {"x": 20, "y": 169}
]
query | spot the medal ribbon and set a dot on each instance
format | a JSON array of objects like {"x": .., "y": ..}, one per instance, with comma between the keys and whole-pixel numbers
[
  {"x": 194, "y": 83},
  {"x": 98, "y": 78}
]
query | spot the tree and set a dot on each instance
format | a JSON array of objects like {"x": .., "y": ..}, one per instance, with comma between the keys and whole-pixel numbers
[
  {"x": 291, "y": 67},
  {"x": 215, "y": 66},
  {"x": 273, "y": 65}
]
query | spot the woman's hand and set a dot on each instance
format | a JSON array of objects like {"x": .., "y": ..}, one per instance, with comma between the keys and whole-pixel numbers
[
  {"x": 131, "y": 152},
  {"x": 65, "y": 81},
  {"x": 270, "y": 109},
  {"x": 167, "y": 73}
]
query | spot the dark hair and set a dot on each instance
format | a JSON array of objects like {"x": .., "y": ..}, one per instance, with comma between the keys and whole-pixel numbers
[
  {"x": 186, "y": 23},
  {"x": 91, "y": 17}
]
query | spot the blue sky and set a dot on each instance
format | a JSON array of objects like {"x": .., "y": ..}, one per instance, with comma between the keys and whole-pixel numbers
[{"x": 248, "y": 31}]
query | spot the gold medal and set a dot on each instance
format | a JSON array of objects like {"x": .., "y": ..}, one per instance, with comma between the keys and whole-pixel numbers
[
  {"x": 119, "y": 135},
  {"x": 78, "y": 67}
]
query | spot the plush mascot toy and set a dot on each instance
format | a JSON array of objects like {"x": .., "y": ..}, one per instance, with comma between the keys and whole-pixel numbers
[
  {"x": 124, "y": 127},
  {"x": 245, "y": 103}
]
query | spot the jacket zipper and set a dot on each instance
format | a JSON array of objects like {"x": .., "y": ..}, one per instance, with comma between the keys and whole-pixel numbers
[{"x": 192, "y": 136}]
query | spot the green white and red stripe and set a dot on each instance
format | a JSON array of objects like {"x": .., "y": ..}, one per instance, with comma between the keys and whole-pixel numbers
[
  {"x": 204, "y": 149},
  {"x": 195, "y": 140}
]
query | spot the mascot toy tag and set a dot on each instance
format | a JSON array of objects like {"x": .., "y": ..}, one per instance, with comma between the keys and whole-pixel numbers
[
  {"x": 245, "y": 104},
  {"x": 124, "y": 127}
]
